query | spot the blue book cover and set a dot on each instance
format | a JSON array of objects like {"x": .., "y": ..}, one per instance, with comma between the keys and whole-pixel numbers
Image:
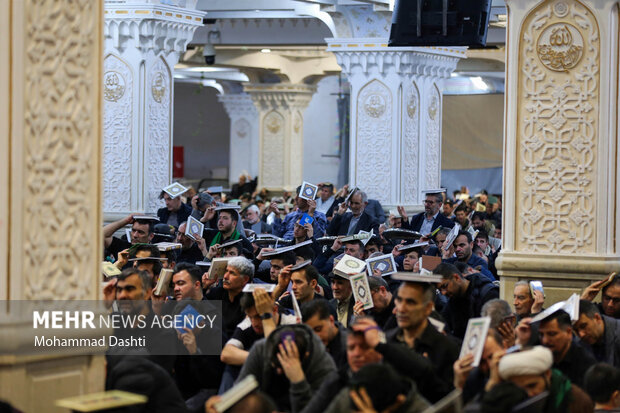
[
  {"x": 186, "y": 318},
  {"x": 305, "y": 219}
]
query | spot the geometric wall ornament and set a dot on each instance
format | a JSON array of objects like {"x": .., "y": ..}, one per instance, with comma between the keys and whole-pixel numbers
[
  {"x": 557, "y": 130},
  {"x": 374, "y": 105},
  {"x": 412, "y": 103},
  {"x": 433, "y": 107},
  {"x": 296, "y": 148}
]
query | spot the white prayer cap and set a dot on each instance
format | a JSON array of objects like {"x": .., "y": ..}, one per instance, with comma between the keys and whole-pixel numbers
[{"x": 535, "y": 361}]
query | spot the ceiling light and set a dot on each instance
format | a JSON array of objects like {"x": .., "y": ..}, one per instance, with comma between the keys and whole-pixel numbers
[{"x": 479, "y": 83}]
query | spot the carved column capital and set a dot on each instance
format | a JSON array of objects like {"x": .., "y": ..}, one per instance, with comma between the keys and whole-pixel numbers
[
  {"x": 280, "y": 108},
  {"x": 238, "y": 105},
  {"x": 373, "y": 55},
  {"x": 280, "y": 96},
  {"x": 149, "y": 27}
]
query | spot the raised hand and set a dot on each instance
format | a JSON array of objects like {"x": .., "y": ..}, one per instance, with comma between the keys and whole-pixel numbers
[
  {"x": 592, "y": 290},
  {"x": 290, "y": 362}
]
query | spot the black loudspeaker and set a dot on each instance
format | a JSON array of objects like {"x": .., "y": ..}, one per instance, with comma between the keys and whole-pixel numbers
[{"x": 440, "y": 23}]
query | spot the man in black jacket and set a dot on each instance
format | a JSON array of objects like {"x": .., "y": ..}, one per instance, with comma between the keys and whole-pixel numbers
[
  {"x": 175, "y": 211},
  {"x": 427, "y": 221},
  {"x": 569, "y": 356},
  {"x": 413, "y": 305},
  {"x": 349, "y": 223},
  {"x": 138, "y": 375},
  {"x": 132, "y": 290},
  {"x": 227, "y": 229},
  {"x": 601, "y": 332},
  {"x": 317, "y": 315},
  {"x": 466, "y": 296},
  {"x": 383, "y": 300}
]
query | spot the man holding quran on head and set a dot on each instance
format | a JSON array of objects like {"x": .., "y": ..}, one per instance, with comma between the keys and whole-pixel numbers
[
  {"x": 227, "y": 228},
  {"x": 304, "y": 279},
  {"x": 284, "y": 228},
  {"x": 141, "y": 232},
  {"x": 193, "y": 249},
  {"x": 262, "y": 317},
  {"x": 175, "y": 211},
  {"x": 418, "y": 332},
  {"x": 132, "y": 291},
  {"x": 610, "y": 295},
  {"x": 353, "y": 245}
]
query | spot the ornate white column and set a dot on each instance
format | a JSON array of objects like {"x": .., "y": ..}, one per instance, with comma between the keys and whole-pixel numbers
[
  {"x": 560, "y": 216},
  {"x": 396, "y": 110},
  {"x": 143, "y": 41},
  {"x": 281, "y": 127},
  {"x": 244, "y": 134}
]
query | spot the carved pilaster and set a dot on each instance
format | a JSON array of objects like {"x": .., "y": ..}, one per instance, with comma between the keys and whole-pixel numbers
[
  {"x": 560, "y": 165},
  {"x": 280, "y": 108},
  {"x": 50, "y": 170},
  {"x": 395, "y": 148},
  {"x": 244, "y": 134},
  {"x": 143, "y": 42},
  {"x": 53, "y": 145}
]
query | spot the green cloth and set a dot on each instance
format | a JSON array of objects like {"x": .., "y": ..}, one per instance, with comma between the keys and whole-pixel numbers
[
  {"x": 218, "y": 237},
  {"x": 559, "y": 392}
]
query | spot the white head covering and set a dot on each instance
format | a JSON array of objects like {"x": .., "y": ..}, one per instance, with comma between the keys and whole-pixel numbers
[{"x": 535, "y": 361}]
